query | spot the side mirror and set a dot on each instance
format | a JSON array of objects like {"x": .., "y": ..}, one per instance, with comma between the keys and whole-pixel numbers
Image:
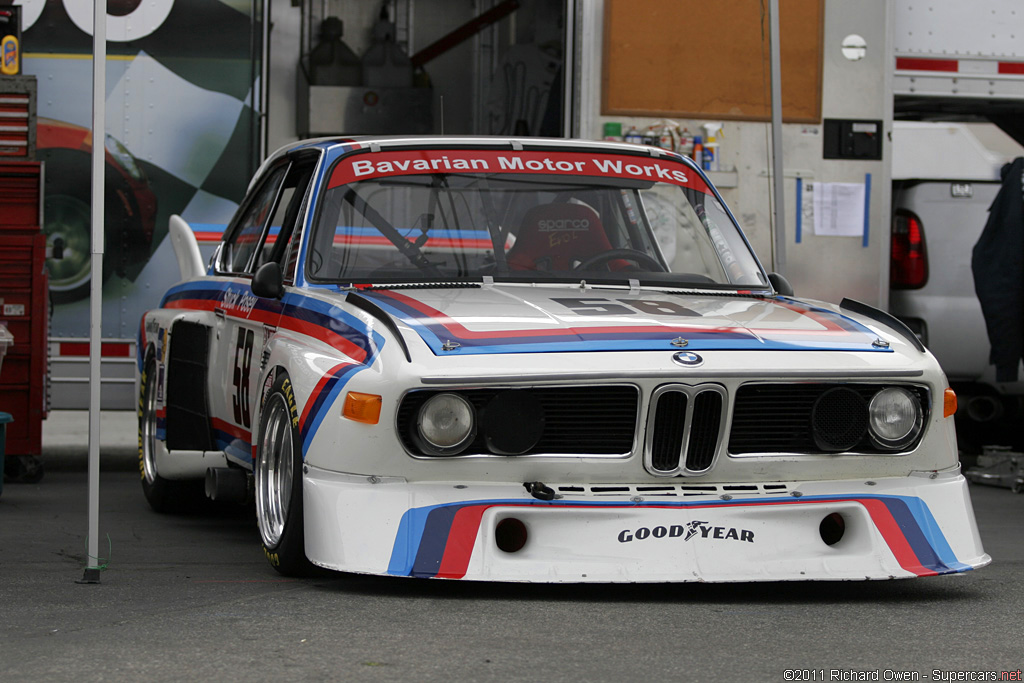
[
  {"x": 779, "y": 283},
  {"x": 268, "y": 282}
]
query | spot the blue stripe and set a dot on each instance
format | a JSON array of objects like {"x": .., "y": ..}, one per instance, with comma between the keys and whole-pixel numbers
[
  {"x": 407, "y": 540},
  {"x": 208, "y": 227},
  {"x": 931, "y": 535},
  {"x": 434, "y": 536},
  {"x": 867, "y": 208},
  {"x": 799, "y": 207},
  {"x": 233, "y": 446},
  {"x": 442, "y": 233},
  {"x": 326, "y": 399}
]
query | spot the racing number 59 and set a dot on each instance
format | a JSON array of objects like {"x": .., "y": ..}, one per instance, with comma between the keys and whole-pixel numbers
[{"x": 243, "y": 364}]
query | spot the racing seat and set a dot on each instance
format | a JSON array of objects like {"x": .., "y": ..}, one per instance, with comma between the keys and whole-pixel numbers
[{"x": 556, "y": 237}]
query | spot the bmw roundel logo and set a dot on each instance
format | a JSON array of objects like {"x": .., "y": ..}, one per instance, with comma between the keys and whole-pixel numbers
[{"x": 688, "y": 359}]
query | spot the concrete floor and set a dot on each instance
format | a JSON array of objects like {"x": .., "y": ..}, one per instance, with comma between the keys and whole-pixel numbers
[{"x": 191, "y": 597}]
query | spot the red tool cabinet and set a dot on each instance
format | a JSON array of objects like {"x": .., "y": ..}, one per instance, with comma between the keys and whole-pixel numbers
[{"x": 24, "y": 305}]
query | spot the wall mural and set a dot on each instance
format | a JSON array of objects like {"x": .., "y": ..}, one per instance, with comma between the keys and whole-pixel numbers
[{"x": 181, "y": 79}]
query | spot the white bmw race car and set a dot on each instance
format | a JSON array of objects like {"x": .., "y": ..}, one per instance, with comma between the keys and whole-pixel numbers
[{"x": 538, "y": 360}]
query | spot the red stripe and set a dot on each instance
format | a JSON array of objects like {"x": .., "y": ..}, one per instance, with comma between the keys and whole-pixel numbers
[
  {"x": 276, "y": 320},
  {"x": 107, "y": 349},
  {"x": 895, "y": 538},
  {"x": 228, "y": 428},
  {"x": 1011, "y": 68},
  {"x": 324, "y": 334},
  {"x": 316, "y": 392},
  {"x": 924, "y": 64},
  {"x": 461, "y": 539}
]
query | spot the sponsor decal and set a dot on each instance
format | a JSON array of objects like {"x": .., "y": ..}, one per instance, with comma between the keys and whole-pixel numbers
[
  {"x": 564, "y": 224},
  {"x": 411, "y": 162},
  {"x": 694, "y": 529},
  {"x": 243, "y": 302},
  {"x": 161, "y": 344}
]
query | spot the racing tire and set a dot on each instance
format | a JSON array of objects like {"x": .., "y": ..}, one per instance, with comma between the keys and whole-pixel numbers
[
  {"x": 163, "y": 495},
  {"x": 278, "y": 474}
]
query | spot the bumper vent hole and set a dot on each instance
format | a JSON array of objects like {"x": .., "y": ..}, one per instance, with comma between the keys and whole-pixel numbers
[
  {"x": 510, "y": 535},
  {"x": 832, "y": 528}
]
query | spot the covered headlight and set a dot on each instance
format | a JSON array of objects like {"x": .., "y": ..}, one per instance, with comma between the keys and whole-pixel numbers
[
  {"x": 894, "y": 418},
  {"x": 446, "y": 423}
]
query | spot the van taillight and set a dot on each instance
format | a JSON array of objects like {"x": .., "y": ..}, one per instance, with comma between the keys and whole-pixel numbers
[{"x": 908, "y": 268}]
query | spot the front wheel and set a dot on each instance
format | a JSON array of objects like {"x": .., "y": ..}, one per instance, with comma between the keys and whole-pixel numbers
[{"x": 278, "y": 471}]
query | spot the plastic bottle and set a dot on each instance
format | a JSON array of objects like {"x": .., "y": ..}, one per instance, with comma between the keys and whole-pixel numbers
[
  {"x": 668, "y": 134},
  {"x": 613, "y": 131},
  {"x": 634, "y": 136},
  {"x": 712, "y": 161},
  {"x": 698, "y": 151},
  {"x": 685, "y": 145}
]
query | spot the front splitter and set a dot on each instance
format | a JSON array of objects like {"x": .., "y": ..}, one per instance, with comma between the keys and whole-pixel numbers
[{"x": 824, "y": 530}]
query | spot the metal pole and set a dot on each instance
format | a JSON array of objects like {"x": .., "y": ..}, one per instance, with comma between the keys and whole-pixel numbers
[
  {"x": 99, "y": 93},
  {"x": 570, "y": 73},
  {"x": 778, "y": 181}
]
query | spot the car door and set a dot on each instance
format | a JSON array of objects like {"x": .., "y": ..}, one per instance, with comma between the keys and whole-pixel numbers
[{"x": 245, "y": 322}]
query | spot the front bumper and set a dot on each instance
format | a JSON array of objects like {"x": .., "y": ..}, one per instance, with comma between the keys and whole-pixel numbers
[{"x": 921, "y": 525}]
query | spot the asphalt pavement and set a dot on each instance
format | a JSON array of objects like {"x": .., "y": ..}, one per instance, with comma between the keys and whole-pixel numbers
[{"x": 186, "y": 597}]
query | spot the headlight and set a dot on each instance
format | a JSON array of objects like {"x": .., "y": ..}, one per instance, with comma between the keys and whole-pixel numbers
[
  {"x": 894, "y": 418},
  {"x": 446, "y": 423}
]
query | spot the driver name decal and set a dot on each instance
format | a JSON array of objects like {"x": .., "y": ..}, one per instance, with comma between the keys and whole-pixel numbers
[{"x": 363, "y": 166}]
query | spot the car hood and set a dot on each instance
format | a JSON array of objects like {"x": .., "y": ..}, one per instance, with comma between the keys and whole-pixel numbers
[{"x": 530, "y": 319}]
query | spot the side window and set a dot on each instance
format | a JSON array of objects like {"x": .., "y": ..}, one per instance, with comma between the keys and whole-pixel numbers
[
  {"x": 246, "y": 237},
  {"x": 282, "y": 240}
]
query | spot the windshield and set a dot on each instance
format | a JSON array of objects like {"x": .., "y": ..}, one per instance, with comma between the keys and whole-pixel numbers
[{"x": 430, "y": 215}]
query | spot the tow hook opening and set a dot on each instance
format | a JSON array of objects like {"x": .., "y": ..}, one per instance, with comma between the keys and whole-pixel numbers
[
  {"x": 832, "y": 528},
  {"x": 510, "y": 535}
]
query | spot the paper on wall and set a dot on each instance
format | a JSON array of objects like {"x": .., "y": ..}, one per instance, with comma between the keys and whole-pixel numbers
[{"x": 839, "y": 209}]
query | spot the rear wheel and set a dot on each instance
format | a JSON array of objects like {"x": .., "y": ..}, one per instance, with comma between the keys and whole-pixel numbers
[
  {"x": 163, "y": 495},
  {"x": 278, "y": 470}
]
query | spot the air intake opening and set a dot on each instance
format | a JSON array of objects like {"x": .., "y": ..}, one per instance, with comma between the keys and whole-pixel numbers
[
  {"x": 832, "y": 528},
  {"x": 510, "y": 535}
]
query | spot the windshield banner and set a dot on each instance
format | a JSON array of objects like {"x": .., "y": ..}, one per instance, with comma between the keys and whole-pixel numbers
[{"x": 425, "y": 161}]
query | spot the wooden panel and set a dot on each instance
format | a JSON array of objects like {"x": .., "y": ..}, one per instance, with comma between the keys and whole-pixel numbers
[{"x": 695, "y": 59}]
